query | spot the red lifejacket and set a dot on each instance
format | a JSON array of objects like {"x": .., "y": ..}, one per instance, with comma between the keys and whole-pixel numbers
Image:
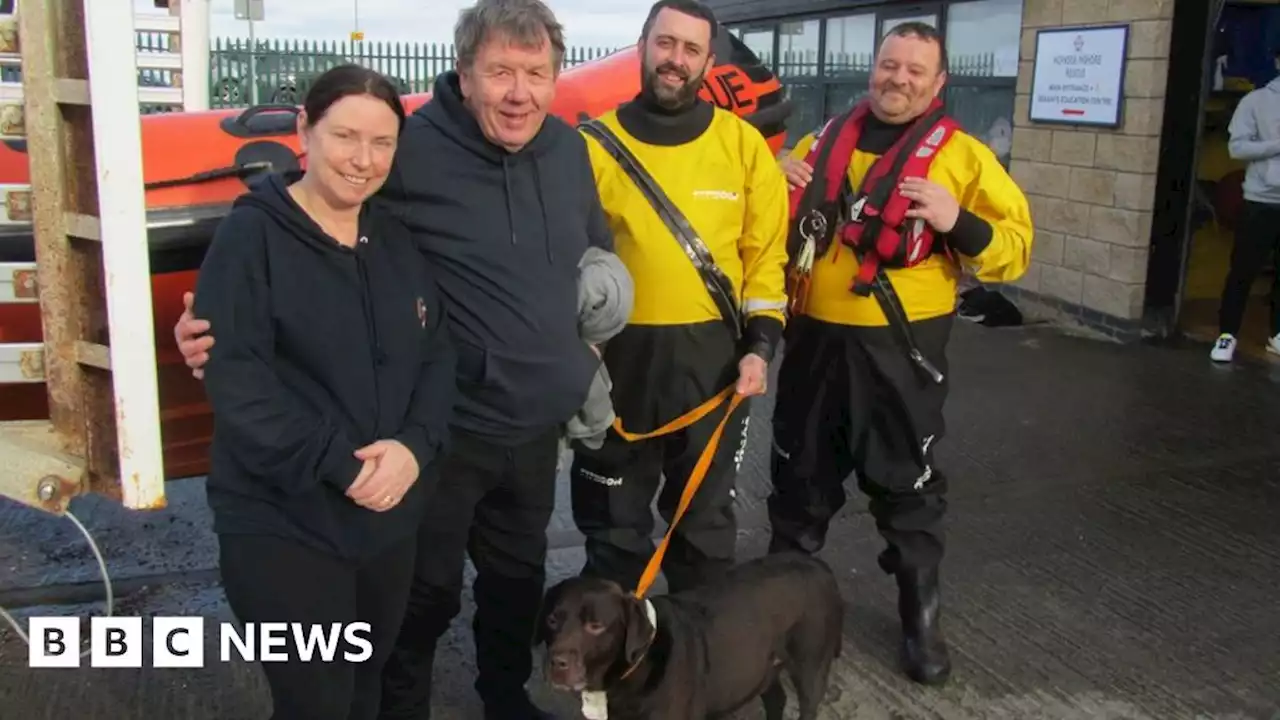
[{"x": 874, "y": 216}]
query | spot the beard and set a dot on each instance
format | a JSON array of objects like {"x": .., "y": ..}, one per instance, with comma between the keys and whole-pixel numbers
[{"x": 654, "y": 88}]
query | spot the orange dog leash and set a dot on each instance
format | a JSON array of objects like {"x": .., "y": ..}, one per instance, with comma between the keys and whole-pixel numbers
[{"x": 695, "y": 478}]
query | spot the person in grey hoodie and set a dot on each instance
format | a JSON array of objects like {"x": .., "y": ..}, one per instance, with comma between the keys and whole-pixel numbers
[{"x": 1255, "y": 139}]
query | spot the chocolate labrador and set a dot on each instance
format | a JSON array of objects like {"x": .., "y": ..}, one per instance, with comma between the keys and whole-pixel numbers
[{"x": 704, "y": 653}]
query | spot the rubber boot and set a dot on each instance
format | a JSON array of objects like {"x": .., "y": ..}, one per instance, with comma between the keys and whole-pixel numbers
[{"x": 924, "y": 649}]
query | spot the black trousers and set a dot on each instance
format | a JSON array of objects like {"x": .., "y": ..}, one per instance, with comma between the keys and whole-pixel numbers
[
  {"x": 660, "y": 373},
  {"x": 493, "y": 502},
  {"x": 850, "y": 400},
  {"x": 268, "y": 579},
  {"x": 613, "y": 489},
  {"x": 1257, "y": 236}
]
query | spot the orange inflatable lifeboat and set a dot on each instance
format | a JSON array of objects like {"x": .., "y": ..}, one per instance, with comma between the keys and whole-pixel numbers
[{"x": 196, "y": 164}]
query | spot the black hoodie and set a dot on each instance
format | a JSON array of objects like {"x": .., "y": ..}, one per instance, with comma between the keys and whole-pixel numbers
[
  {"x": 505, "y": 232},
  {"x": 319, "y": 350}
]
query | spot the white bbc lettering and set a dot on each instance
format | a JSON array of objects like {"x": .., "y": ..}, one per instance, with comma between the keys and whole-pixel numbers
[
  {"x": 306, "y": 648},
  {"x": 55, "y": 642},
  {"x": 350, "y": 634},
  {"x": 115, "y": 642},
  {"x": 266, "y": 642},
  {"x": 177, "y": 642}
]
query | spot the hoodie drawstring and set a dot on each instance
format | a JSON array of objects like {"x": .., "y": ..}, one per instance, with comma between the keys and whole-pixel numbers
[
  {"x": 506, "y": 183},
  {"x": 542, "y": 205},
  {"x": 546, "y": 226}
]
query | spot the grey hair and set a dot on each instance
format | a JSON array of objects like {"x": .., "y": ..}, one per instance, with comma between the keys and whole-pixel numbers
[{"x": 525, "y": 23}]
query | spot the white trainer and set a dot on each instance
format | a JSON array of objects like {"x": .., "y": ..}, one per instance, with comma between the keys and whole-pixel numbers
[{"x": 1224, "y": 350}]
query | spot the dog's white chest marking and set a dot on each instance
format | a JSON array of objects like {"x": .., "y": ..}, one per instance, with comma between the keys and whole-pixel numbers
[{"x": 595, "y": 705}]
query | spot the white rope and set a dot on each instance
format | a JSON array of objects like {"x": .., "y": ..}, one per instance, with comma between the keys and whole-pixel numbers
[{"x": 102, "y": 568}]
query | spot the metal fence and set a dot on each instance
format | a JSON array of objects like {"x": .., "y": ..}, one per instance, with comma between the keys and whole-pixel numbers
[
  {"x": 804, "y": 63},
  {"x": 281, "y": 71}
]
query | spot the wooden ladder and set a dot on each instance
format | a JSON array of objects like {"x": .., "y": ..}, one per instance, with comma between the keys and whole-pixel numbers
[{"x": 78, "y": 114}]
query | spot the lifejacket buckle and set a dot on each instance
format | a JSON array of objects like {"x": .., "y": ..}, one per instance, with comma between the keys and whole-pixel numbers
[{"x": 855, "y": 209}]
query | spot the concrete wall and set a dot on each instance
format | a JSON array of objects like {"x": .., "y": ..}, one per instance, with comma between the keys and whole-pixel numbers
[{"x": 1092, "y": 190}]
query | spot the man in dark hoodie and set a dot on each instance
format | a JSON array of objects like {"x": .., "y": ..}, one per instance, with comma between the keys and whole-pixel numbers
[{"x": 502, "y": 200}]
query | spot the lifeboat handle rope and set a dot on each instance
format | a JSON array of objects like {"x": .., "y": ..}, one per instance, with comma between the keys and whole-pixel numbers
[
  {"x": 102, "y": 568},
  {"x": 239, "y": 170}
]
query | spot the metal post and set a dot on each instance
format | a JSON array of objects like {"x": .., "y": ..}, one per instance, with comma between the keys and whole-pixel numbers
[
  {"x": 122, "y": 225},
  {"x": 251, "y": 11},
  {"x": 194, "y": 18},
  {"x": 253, "y": 66},
  {"x": 357, "y": 36}
]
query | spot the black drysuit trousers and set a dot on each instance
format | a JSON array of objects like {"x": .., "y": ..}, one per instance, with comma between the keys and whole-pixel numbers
[
  {"x": 493, "y": 502},
  {"x": 659, "y": 374},
  {"x": 851, "y": 401}
]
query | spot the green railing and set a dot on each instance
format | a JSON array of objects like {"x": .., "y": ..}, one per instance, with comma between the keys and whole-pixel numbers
[{"x": 284, "y": 69}]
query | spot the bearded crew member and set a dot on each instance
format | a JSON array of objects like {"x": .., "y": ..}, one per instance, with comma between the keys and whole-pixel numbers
[
  {"x": 851, "y": 396},
  {"x": 680, "y": 348}
]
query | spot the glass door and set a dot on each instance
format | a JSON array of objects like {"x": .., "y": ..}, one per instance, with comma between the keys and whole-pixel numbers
[
  {"x": 849, "y": 52},
  {"x": 925, "y": 13}
]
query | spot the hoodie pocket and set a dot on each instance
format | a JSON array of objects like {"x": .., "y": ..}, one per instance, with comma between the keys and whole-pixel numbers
[
  {"x": 471, "y": 362},
  {"x": 1270, "y": 176},
  {"x": 539, "y": 388}
]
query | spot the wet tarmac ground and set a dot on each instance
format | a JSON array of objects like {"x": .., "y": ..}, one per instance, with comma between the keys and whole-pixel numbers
[{"x": 1114, "y": 554}]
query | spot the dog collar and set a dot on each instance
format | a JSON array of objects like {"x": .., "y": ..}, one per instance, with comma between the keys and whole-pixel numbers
[
  {"x": 651, "y": 613},
  {"x": 595, "y": 703}
]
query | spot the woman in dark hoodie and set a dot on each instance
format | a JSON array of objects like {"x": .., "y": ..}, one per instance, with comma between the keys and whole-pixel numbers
[{"x": 332, "y": 384}]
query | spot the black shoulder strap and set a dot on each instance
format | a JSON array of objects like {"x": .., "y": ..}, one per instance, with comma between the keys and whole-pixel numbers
[
  {"x": 881, "y": 286},
  {"x": 813, "y": 195},
  {"x": 717, "y": 283}
]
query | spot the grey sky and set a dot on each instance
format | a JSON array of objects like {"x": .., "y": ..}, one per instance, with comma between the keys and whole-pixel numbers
[{"x": 610, "y": 23}]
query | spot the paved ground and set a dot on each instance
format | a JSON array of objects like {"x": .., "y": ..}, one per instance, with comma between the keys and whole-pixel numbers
[{"x": 1114, "y": 554}]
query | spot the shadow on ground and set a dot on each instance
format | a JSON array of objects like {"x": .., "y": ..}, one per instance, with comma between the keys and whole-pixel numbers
[{"x": 1114, "y": 554}]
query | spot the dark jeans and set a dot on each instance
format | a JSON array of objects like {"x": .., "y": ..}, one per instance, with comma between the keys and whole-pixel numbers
[
  {"x": 1257, "y": 235},
  {"x": 850, "y": 400},
  {"x": 268, "y": 579},
  {"x": 493, "y": 502}
]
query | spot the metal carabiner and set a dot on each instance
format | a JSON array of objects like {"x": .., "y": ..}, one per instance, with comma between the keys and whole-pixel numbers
[{"x": 817, "y": 226}]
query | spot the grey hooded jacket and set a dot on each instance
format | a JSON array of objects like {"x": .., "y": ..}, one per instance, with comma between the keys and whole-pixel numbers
[
  {"x": 1255, "y": 139},
  {"x": 605, "y": 296}
]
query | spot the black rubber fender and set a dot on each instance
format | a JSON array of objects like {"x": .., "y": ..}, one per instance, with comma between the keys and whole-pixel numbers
[
  {"x": 268, "y": 120},
  {"x": 280, "y": 157}
]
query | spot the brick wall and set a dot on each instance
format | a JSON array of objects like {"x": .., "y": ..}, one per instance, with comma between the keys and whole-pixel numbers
[{"x": 1092, "y": 190}]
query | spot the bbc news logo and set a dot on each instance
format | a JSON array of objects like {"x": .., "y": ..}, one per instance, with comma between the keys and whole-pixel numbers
[{"x": 179, "y": 642}]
